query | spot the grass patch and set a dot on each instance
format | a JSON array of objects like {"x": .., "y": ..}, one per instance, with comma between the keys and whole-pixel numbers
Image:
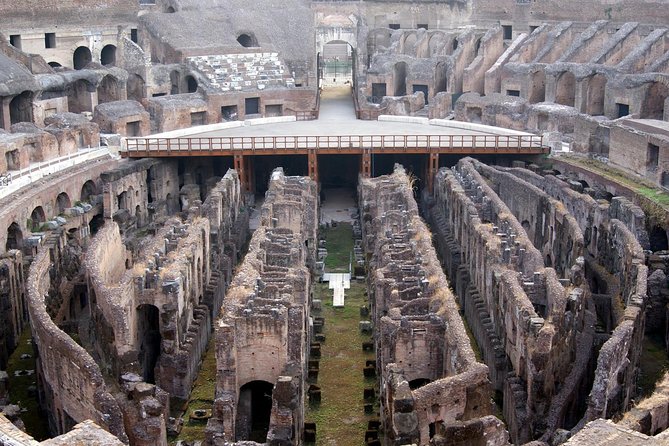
[
  {"x": 201, "y": 397},
  {"x": 339, "y": 243},
  {"x": 34, "y": 419},
  {"x": 340, "y": 418}
]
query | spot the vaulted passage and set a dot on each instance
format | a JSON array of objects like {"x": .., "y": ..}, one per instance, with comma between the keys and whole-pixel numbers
[{"x": 253, "y": 411}]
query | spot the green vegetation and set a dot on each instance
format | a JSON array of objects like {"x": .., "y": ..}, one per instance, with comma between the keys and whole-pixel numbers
[
  {"x": 202, "y": 397},
  {"x": 340, "y": 417},
  {"x": 339, "y": 246},
  {"x": 19, "y": 388}
]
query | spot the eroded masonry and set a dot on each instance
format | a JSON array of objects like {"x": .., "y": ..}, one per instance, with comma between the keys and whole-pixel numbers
[{"x": 163, "y": 205}]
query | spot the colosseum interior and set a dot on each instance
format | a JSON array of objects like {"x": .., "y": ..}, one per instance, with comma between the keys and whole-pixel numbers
[{"x": 326, "y": 222}]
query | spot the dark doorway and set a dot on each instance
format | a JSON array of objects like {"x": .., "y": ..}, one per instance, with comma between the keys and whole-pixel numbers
[
  {"x": 37, "y": 217},
  {"x": 62, "y": 202},
  {"x": 253, "y": 411},
  {"x": 14, "y": 237},
  {"x": 378, "y": 92},
  {"x": 148, "y": 318},
  {"x": 622, "y": 110},
  {"x": 247, "y": 40},
  {"x": 21, "y": 108},
  {"x": 191, "y": 84},
  {"x": 400, "y": 79},
  {"x": 135, "y": 87},
  {"x": 264, "y": 165},
  {"x": 251, "y": 106},
  {"x": 88, "y": 190},
  {"x": 229, "y": 113},
  {"x": 108, "y": 55},
  {"x": 423, "y": 88},
  {"x": 82, "y": 57},
  {"x": 658, "y": 239}
]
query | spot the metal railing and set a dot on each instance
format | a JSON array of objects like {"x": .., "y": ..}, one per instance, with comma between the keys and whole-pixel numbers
[{"x": 475, "y": 143}]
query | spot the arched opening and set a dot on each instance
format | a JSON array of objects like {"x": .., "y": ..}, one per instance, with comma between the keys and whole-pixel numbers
[
  {"x": 537, "y": 91},
  {"x": 135, "y": 87},
  {"x": 440, "y": 78},
  {"x": 108, "y": 55},
  {"x": 596, "y": 91},
  {"x": 14, "y": 237},
  {"x": 658, "y": 239},
  {"x": 418, "y": 382},
  {"x": 82, "y": 57},
  {"x": 170, "y": 10},
  {"x": 400, "y": 79},
  {"x": 526, "y": 226},
  {"x": 123, "y": 200},
  {"x": 148, "y": 323},
  {"x": 175, "y": 79},
  {"x": 108, "y": 90},
  {"x": 337, "y": 60},
  {"x": 37, "y": 218},
  {"x": 62, "y": 202},
  {"x": 653, "y": 104},
  {"x": 87, "y": 191},
  {"x": 191, "y": 84},
  {"x": 55, "y": 65},
  {"x": 96, "y": 223},
  {"x": 254, "y": 408},
  {"x": 565, "y": 89},
  {"x": 79, "y": 96},
  {"x": 21, "y": 108},
  {"x": 409, "y": 46},
  {"x": 247, "y": 40}
]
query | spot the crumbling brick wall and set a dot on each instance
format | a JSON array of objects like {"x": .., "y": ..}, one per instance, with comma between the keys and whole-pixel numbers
[
  {"x": 429, "y": 374},
  {"x": 263, "y": 333}
]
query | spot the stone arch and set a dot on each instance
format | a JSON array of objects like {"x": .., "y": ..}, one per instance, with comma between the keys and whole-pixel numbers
[
  {"x": 537, "y": 91},
  {"x": 254, "y": 407},
  {"x": 54, "y": 64},
  {"x": 595, "y": 96},
  {"x": 170, "y": 10},
  {"x": 400, "y": 79},
  {"x": 337, "y": 56},
  {"x": 82, "y": 56},
  {"x": 191, "y": 84},
  {"x": 409, "y": 44},
  {"x": 21, "y": 108},
  {"x": 565, "y": 89},
  {"x": 135, "y": 87},
  {"x": 149, "y": 339},
  {"x": 108, "y": 55},
  {"x": 88, "y": 190},
  {"x": 62, "y": 202},
  {"x": 14, "y": 237},
  {"x": 436, "y": 44},
  {"x": 652, "y": 106},
  {"x": 37, "y": 217},
  {"x": 247, "y": 40},
  {"x": 108, "y": 90},
  {"x": 440, "y": 77},
  {"x": 79, "y": 96}
]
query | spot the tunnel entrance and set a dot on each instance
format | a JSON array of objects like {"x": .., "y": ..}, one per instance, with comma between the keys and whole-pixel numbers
[
  {"x": 253, "y": 411},
  {"x": 149, "y": 337},
  {"x": 338, "y": 170},
  {"x": 263, "y": 165}
]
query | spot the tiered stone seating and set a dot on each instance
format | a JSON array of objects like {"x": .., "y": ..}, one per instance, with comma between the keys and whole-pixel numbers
[{"x": 245, "y": 71}]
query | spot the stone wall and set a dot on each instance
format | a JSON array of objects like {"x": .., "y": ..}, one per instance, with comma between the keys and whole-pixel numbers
[
  {"x": 264, "y": 331},
  {"x": 429, "y": 374},
  {"x": 72, "y": 383},
  {"x": 13, "y": 309},
  {"x": 518, "y": 309}
]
